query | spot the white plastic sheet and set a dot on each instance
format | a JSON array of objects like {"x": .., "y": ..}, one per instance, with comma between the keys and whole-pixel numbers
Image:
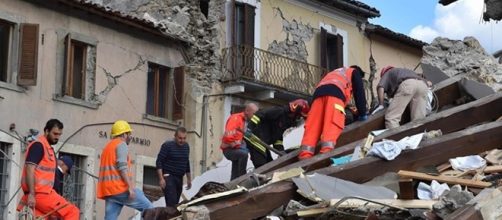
[
  {"x": 467, "y": 163},
  {"x": 389, "y": 149},
  {"x": 433, "y": 191}
]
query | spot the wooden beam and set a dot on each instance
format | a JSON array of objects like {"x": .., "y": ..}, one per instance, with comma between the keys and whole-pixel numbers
[
  {"x": 261, "y": 201},
  {"x": 406, "y": 189},
  {"x": 468, "y": 212},
  {"x": 443, "y": 179},
  {"x": 354, "y": 132},
  {"x": 493, "y": 169}
]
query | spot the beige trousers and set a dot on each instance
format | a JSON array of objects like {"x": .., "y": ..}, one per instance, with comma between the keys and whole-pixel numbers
[{"x": 410, "y": 91}]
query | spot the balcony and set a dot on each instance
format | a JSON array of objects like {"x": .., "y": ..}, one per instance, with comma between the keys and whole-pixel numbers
[{"x": 260, "y": 70}]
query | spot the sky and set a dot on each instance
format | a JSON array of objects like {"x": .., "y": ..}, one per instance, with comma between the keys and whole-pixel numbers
[{"x": 426, "y": 19}]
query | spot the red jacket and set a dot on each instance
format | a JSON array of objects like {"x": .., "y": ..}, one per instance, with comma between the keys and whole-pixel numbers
[{"x": 234, "y": 131}]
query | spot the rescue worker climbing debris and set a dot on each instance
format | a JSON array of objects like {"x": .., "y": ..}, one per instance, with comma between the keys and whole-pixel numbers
[
  {"x": 38, "y": 176},
  {"x": 326, "y": 118},
  {"x": 269, "y": 126},
  {"x": 405, "y": 87},
  {"x": 232, "y": 143}
]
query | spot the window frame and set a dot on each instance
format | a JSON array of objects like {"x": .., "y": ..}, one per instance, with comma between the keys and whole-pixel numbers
[
  {"x": 87, "y": 99},
  {"x": 173, "y": 99},
  {"x": 13, "y": 54}
]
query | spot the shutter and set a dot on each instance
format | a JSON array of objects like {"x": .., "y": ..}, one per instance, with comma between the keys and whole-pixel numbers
[
  {"x": 339, "y": 51},
  {"x": 28, "y": 57},
  {"x": 249, "y": 13},
  {"x": 323, "y": 48},
  {"x": 67, "y": 81},
  {"x": 179, "y": 81}
]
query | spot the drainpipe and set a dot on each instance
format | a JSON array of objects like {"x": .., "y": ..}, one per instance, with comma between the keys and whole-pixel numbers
[{"x": 203, "y": 128}]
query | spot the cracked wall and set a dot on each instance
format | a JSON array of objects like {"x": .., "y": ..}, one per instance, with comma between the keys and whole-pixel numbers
[
  {"x": 297, "y": 34},
  {"x": 184, "y": 19}
]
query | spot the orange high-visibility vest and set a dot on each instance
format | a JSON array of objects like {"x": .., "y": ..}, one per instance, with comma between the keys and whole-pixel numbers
[
  {"x": 110, "y": 181},
  {"x": 342, "y": 78},
  {"x": 45, "y": 171}
]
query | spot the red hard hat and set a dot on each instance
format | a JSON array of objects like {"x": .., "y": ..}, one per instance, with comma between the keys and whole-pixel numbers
[
  {"x": 385, "y": 69},
  {"x": 300, "y": 106}
]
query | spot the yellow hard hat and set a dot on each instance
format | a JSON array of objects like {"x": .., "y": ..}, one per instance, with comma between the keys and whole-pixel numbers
[{"x": 120, "y": 127}]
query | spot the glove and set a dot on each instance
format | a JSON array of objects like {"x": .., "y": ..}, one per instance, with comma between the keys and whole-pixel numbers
[
  {"x": 248, "y": 133},
  {"x": 363, "y": 117},
  {"x": 379, "y": 108}
]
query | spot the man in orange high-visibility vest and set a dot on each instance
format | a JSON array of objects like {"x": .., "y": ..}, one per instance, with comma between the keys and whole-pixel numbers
[
  {"x": 326, "y": 118},
  {"x": 38, "y": 177},
  {"x": 115, "y": 183}
]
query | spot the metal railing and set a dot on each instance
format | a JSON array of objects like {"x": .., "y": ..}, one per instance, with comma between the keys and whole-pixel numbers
[{"x": 245, "y": 62}]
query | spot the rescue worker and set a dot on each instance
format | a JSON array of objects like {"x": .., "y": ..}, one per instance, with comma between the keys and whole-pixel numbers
[
  {"x": 326, "y": 118},
  {"x": 38, "y": 176},
  {"x": 270, "y": 124},
  {"x": 115, "y": 183},
  {"x": 232, "y": 143},
  {"x": 404, "y": 87}
]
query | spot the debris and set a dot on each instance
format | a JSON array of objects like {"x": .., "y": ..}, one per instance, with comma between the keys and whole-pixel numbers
[
  {"x": 449, "y": 180},
  {"x": 389, "y": 149},
  {"x": 278, "y": 176},
  {"x": 221, "y": 195},
  {"x": 452, "y": 200},
  {"x": 342, "y": 160},
  {"x": 467, "y": 57},
  {"x": 386, "y": 149},
  {"x": 292, "y": 207},
  {"x": 433, "y": 191},
  {"x": 406, "y": 189},
  {"x": 406, "y": 204},
  {"x": 318, "y": 187},
  {"x": 494, "y": 157},
  {"x": 432, "y": 134},
  {"x": 468, "y": 163}
]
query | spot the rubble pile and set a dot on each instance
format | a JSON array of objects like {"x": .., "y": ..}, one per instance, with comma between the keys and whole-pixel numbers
[{"x": 467, "y": 57}]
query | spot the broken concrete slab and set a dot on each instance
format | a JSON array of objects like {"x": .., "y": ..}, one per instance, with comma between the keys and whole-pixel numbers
[
  {"x": 319, "y": 188},
  {"x": 433, "y": 74},
  {"x": 476, "y": 89}
]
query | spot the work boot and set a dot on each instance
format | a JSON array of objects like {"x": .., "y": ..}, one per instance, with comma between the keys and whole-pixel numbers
[
  {"x": 306, "y": 152},
  {"x": 326, "y": 146}
]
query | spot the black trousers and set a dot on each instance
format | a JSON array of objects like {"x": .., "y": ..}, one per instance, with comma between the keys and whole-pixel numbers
[
  {"x": 259, "y": 158},
  {"x": 173, "y": 190}
]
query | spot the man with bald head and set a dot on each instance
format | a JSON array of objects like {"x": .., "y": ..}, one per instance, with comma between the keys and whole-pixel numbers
[{"x": 232, "y": 143}]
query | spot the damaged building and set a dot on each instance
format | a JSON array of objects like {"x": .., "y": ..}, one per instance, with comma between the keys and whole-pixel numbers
[{"x": 160, "y": 64}]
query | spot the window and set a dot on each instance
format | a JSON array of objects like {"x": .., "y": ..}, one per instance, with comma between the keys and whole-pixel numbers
[
  {"x": 243, "y": 39},
  {"x": 331, "y": 50},
  {"x": 165, "y": 92},
  {"x": 5, "y": 30},
  {"x": 77, "y": 75},
  {"x": 150, "y": 176},
  {"x": 73, "y": 184},
  {"x": 151, "y": 183},
  {"x": 4, "y": 176},
  {"x": 243, "y": 24},
  {"x": 26, "y": 36}
]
